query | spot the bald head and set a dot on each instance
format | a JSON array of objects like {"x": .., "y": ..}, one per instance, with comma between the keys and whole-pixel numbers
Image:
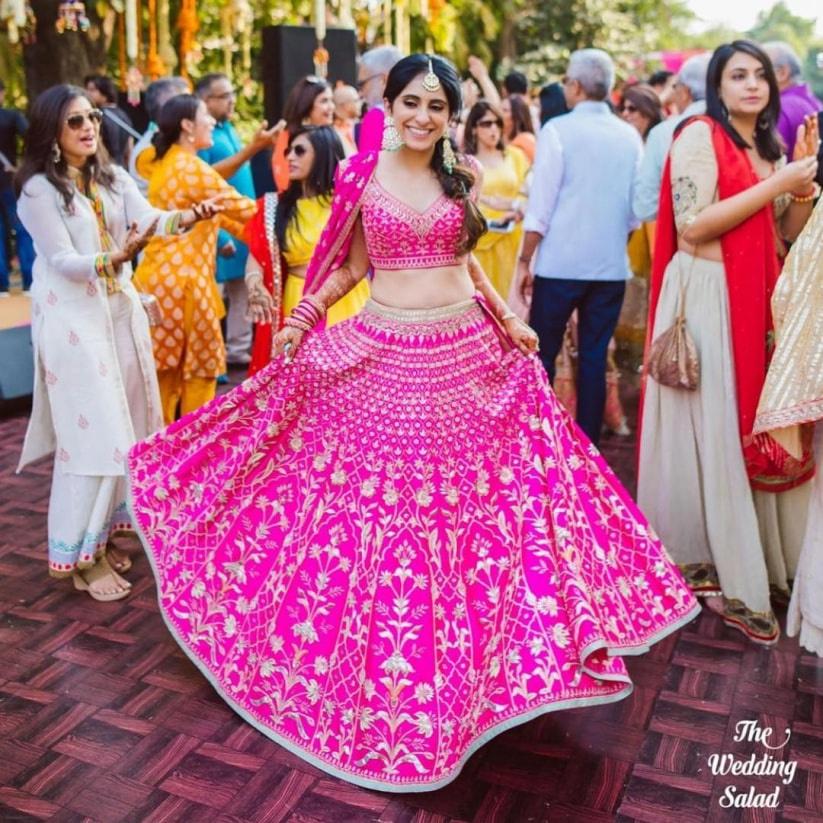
[{"x": 346, "y": 103}]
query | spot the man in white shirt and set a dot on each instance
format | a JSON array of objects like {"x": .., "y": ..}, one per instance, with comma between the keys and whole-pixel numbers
[
  {"x": 578, "y": 221},
  {"x": 690, "y": 98}
]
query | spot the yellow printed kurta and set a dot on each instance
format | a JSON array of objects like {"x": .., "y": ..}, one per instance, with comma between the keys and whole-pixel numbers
[
  {"x": 302, "y": 234},
  {"x": 179, "y": 271},
  {"x": 497, "y": 252}
]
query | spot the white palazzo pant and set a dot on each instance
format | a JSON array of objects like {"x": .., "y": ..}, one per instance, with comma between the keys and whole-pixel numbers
[
  {"x": 84, "y": 510},
  {"x": 693, "y": 485},
  {"x": 806, "y": 607}
]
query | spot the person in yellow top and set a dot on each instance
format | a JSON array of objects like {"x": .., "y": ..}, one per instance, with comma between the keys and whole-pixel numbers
[
  {"x": 188, "y": 343},
  {"x": 283, "y": 234},
  {"x": 504, "y": 179}
]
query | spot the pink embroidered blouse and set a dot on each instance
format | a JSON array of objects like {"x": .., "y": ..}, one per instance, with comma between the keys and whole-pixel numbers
[{"x": 399, "y": 237}]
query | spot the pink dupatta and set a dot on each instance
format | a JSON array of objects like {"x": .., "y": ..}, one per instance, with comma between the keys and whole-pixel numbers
[{"x": 335, "y": 241}]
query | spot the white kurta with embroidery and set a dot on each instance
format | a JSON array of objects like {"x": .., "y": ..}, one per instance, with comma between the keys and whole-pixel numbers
[{"x": 80, "y": 406}]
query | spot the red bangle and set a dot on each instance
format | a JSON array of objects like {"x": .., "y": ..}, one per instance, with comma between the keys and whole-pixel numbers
[{"x": 806, "y": 197}]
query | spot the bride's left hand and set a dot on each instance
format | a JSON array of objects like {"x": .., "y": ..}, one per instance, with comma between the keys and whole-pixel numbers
[{"x": 524, "y": 337}]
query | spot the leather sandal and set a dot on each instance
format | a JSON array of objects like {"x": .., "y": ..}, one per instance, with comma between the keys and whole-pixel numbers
[{"x": 99, "y": 572}]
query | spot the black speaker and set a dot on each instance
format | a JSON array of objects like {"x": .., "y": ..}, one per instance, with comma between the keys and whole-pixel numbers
[{"x": 287, "y": 56}]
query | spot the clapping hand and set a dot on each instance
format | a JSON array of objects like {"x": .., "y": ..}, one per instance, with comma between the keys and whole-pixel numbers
[
  {"x": 135, "y": 242},
  {"x": 808, "y": 138}
]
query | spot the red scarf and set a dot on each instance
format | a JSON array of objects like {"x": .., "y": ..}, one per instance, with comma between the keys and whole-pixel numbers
[{"x": 752, "y": 268}]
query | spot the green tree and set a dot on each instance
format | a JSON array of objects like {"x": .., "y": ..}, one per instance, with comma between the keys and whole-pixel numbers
[
  {"x": 779, "y": 23},
  {"x": 627, "y": 29}
]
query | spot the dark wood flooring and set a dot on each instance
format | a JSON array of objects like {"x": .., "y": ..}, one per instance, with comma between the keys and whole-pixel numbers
[{"x": 103, "y": 719}]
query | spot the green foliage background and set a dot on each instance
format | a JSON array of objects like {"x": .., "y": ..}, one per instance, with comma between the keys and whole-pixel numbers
[{"x": 535, "y": 36}]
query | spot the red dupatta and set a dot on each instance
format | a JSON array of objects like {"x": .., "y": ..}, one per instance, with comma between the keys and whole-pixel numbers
[
  {"x": 752, "y": 268},
  {"x": 262, "y": 242}
]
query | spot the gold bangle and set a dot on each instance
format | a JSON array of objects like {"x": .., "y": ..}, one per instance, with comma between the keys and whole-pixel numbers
[{"x": 508, "y": 316}]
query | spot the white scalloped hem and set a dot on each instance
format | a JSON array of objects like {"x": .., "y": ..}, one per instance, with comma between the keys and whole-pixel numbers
[{"x": 810, "y": 637}]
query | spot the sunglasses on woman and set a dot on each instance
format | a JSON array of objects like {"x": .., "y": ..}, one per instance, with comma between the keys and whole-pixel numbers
[
  {"x": 487, "y": 124},
  {"x": 297, "y": 151},
  {"x": 76, "y": 121},
  {"x": 628, "y": 107}
]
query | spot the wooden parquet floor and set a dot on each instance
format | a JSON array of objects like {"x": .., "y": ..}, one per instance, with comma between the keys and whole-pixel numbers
[{"x": 103, "y": 719}]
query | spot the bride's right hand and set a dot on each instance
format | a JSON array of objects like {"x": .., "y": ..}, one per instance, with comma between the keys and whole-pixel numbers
[{"x": 286, "y": 342}]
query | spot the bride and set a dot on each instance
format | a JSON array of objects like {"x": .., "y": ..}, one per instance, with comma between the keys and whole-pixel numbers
[{"x": 392, "y": 544}]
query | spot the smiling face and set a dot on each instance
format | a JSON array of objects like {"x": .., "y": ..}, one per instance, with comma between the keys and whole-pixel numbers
[
  {"x": 421, "y": 116},
  {"x": 744, "y": 88},
  {"x": 322, "y": 110},
  {"x": 300, "y": 157},
  {"x": 80, "y": 131},
  {"x": 198, "y": 133}
]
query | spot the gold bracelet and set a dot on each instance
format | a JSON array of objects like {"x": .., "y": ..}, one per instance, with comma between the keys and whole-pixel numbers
[{"x": 508, "y": 316}]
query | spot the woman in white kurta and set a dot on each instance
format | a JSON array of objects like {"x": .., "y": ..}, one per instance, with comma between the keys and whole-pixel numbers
[{"x": 95, "y": 391}]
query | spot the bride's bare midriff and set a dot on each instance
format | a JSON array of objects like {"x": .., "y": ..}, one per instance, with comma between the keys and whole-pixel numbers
[
  {"x": 712, "y": 250},
  {"x": 422, "y": 288}
]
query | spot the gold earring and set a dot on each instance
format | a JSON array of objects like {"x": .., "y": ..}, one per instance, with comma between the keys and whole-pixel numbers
[
  {"x": 449, "y": 157},
  {"x": 391, "y": 136}
]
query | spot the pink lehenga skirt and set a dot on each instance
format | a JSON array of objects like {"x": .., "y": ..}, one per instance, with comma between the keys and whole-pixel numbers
[{"x": 399, "y": 546}]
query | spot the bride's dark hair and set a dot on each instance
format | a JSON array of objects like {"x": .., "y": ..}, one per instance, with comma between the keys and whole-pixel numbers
[{"x": 458, "y": 184}]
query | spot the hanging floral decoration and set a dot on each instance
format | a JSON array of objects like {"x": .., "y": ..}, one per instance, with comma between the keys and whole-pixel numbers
[
  {"x": 321, "y": 54},
  {"x": 154, "y": 65},
  {"x": 71, "y": 16},
  {"x": 187, "y": 24},
  {"x": 19, "y": 19}
]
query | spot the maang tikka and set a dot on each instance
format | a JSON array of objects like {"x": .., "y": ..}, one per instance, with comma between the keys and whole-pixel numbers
[{"x": 431, "y": 82}]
